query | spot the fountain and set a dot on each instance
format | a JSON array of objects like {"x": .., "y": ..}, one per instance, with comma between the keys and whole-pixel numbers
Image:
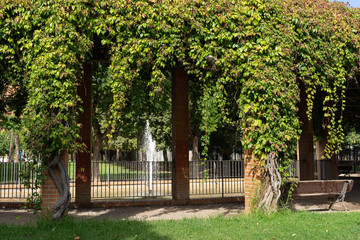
[{"x": 150, "y": 149}]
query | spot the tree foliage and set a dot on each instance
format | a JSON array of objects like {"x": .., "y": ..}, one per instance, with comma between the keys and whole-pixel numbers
[{"x": 4, "y": 143}]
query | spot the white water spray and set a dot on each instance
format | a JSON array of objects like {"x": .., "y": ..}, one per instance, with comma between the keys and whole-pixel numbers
[{"x": 150, "y": 148}]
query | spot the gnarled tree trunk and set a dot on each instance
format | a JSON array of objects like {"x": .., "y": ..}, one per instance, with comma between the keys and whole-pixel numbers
[
  {"x": 270, "y": 193},
  {"x": 62, "y": 183}
]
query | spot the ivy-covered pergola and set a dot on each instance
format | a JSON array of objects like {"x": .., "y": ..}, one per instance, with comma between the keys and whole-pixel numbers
[{"x": 272, "y": 69}]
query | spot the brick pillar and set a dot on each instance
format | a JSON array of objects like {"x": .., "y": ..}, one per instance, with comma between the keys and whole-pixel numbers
[
  {"x": 49, "y": 192},
  {"x": 180, "y": 135},
  {"x": 305, "y": 149},
  {"x": 252, "y": 177},
  {"x": 83, "y": 159}
]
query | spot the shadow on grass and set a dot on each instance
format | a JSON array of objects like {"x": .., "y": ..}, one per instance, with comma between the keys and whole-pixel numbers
[{"x": 73, "y": 228}]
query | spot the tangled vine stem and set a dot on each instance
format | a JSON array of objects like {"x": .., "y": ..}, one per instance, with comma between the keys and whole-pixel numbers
[
  {"x": 62, "y": 184},
  {"x": 271, "y": 192}
]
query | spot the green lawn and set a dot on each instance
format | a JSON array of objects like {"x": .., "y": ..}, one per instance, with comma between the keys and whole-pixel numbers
[
  {"x": 113, "y": 171},
  {"x": 284, "y": 225},
  {"x": 108, "y": 169}
]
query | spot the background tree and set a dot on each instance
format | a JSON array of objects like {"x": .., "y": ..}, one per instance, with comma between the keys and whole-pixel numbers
[{"x": 4, "y": 143}]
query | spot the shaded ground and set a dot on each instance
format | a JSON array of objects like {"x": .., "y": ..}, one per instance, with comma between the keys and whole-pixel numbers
[
  {"x": 135, "y": 213},
  {"x": 352, "y": 202}
]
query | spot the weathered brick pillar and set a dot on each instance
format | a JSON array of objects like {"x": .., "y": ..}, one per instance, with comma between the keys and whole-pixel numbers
[
  {"x": 83, "y": 160},
  {"x": 180, "y": 135},
  {"x": 305, "y": 148},
  {"x": 49, "y": 192},
  {"x": 252, "y": 177}
]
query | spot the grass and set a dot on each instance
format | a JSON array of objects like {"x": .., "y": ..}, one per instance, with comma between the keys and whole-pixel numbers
[
  {"x": 111, "y": 171},
  {"x": 282, "y": 225}
]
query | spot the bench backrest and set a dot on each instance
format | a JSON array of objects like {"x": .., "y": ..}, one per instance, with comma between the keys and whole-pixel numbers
[{"x": 322, "y": 186}]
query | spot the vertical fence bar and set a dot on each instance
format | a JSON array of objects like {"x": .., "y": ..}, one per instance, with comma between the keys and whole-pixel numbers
[
  {"x": 1, "y": 179},
  {"x": 222, "y": 179},
  {"x": 8, "y": 177},
  {"x": 137, "y": 180},
  {"x": 122, "y": 174}
]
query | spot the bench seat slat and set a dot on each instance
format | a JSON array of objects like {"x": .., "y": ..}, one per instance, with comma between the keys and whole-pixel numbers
[
  {"x": 316, "y": 195},
  {"x": 321, "y": 186}
]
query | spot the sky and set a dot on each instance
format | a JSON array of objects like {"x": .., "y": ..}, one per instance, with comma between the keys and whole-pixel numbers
[{"x": 353, "y": 3}]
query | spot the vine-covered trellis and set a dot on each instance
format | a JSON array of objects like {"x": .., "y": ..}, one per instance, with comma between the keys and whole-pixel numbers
[{"x": 248, "y": 57}]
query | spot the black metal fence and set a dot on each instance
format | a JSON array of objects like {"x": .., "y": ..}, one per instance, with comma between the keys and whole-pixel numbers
[
  {"x": 141, "y": 180},
  {"x": 137, "y": 180},
  {"x": 130, "y": 180},
  {"x": 349, "y": 159},
  {"x": 216, "y": 178},
  {"x": 11, "y": 186}
]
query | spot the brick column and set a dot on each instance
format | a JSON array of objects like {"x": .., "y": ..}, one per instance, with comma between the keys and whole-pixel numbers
[
  {"x": 49, "y": 192},
  {"x": 83, "y": 159},
  {"x": 252, "y": 177},
  {"x": 305, "y": 149},
  {"x": 180, "y": 135}
]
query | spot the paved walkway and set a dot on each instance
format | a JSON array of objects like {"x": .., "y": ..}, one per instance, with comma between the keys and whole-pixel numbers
[
  {"x": 352, "y": 202},
  {"x": 134, "y": 213}
]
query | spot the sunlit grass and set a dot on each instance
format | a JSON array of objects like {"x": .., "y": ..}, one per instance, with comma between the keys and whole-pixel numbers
[{"x": 283, "y": 225}]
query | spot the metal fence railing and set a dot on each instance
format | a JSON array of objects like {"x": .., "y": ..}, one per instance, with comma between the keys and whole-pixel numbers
[
  {"x": 216, "y": 178},
  {"x": 137, "y": 180},
  {"x": 11, "y": 186},
  {"x": 130, "y": 180}
]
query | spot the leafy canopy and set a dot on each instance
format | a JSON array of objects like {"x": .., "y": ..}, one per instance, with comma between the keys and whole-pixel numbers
[{"x": 247, "y": 58}]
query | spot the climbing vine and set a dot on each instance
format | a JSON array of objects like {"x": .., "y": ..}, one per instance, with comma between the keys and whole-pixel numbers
[
  {"x": 326, "y": 45},
  {"x": 248, "y": 58}
]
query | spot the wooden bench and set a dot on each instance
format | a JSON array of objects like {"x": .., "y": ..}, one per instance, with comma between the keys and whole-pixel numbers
[{"x": 334, "y": 190}]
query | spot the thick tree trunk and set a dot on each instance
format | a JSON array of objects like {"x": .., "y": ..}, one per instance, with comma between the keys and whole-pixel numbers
[
  {"x": 195, "y": 148},
  {"x": 195, "y": 170},
  {"x": 166, "y": 159},
  {"x": 117, "y": 155},
  {"x": 139, "y": 156},
  {"x": 11, "y": 150},
  {"x": 96, "y": 159},
  {"x": 99, "y": 139},
  {"x": 17, "y": 148}
]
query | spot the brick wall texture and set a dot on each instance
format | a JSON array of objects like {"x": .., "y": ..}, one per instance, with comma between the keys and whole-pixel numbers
[{"x": 252, "y": 178}]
